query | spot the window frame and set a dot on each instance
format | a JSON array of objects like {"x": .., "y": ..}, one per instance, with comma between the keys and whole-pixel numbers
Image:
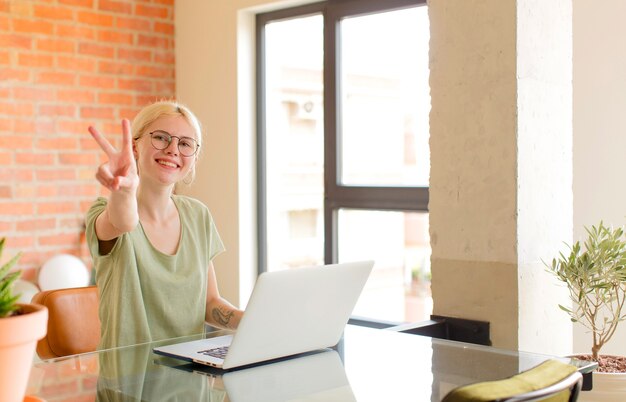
[{"x": 336, "y": 195}]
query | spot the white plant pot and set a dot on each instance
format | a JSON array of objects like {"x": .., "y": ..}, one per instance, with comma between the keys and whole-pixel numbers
[{"x": 607, "y": 387}]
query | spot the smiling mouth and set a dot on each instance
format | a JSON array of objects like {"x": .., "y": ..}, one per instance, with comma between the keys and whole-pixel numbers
[{"x": 166, "y": 163}]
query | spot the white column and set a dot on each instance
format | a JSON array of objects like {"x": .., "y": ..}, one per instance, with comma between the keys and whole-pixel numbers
[{"x": 501, "y": 165}]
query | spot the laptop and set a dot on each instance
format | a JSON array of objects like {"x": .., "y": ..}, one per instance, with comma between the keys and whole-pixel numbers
[{"x": 289, "y": 312}]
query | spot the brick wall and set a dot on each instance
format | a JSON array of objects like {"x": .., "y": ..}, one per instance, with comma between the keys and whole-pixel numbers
[{"x": 66, "y": 64}]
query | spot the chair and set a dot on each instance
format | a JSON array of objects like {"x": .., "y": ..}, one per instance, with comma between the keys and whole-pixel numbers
[
  {"x": 552, "y": 381},
  {"x": 73, "y": 323}
]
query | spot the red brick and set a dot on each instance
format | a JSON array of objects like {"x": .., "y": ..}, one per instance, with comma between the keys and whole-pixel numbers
[
  {"x": 116, "y": 37},
  {"x": 55, "y": 13},
  {"x": 155, "y": 72},
  {"x": 15, "y": 142},
  {"x": 155, "y": 41},
  {"x": 56, "y": 174},
  {"x": 36, "y": 224},
  {"x": 134, "y": 55},
  {"x": 57, "y": 239},
  {"x": 115, "y": 98},
  {"x": 8, "y": 74},
  {"x": 17, "y": 242},
  {"x": 57, "y": 143},
  {"x": 73, "y": 127},
  {"x": 96, "y": 113},
  {"x": 32, "y": 26},
  {"x": 26, "y": 126},
  {"x": 78, "y": 159},
  {"x": 168, "y": 87},
  {"x": 29, "y": 126},
  {"x": 75, "y": 95},
  {"x": 94, "y": 18},
  {"x": 55, "y": 78},
  {"x": 47, "y": 191},
  {"x": 134, "y": 84},
  {"x": 129, "y": 113},
  {"x": 109, "y": 67},
  {"x": 16, "y": 208},
  {"x": 17, "y": 41},
  {"x": 88, "y": 144},
  {"x": 7, "y": 226},
  {"x": 57, "y": 110},
  {"x": 151, "y": 11},
  {"x": 136, "y": 24},
  {"x": 76, "y": 32},
  {"x": 45, "y": 127},
  {"x": 6, "y": 158},
  {"x": 6, "y": 192},
  {"x": 16, "y": 109},
  {"x": 21, "y": 8},
  {"x": 167, "y": 58},
  {"x": 4, "y": 24},
  {"x": 5, "y": 93},
  {"x": 32, "y": 93},
  {"x": 96, "y": 81},
  {"x": 5, "y": 58},
  {"x": 96, "y": 50},
  {"x": 79, "y": 3},
  {"x": 34, "y": 60},
  {"x": 55, "y": 45},
  {"x": 81, "y": 190},
  {"x": 164, "y": 28},
  {"x": 25, "y": 191},
  {"x": 32, "y": 158},
  {"x": 144, "y": 100},
  {"x": 16, "y": 175},
  {"x": 82, "y": 64},
  {"x": 123, "y": 7},
  {"x": 164, "y": 2}
]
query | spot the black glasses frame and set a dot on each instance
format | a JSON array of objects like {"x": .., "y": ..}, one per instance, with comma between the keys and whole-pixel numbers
[{"x": 169, "y": 138}]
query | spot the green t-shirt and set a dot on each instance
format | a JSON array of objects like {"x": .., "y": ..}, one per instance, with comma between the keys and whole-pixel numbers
[{"x": 146, "y": 295}]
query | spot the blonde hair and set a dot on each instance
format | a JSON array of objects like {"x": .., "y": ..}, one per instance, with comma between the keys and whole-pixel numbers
[
  {"x": 151, "y": 113},
  {"x": 155, "y": 111}
]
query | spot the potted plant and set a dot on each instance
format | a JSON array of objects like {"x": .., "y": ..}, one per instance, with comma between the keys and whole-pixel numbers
[
  {"x": 595, "y": 276},
  {"x": 21, "y": 326}
]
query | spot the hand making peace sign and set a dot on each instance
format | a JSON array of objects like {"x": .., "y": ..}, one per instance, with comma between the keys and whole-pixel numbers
[{"x": 120, "y": 172}]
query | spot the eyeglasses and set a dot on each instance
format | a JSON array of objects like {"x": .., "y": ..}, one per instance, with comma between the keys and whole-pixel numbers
[{"x": 162, "y": 139}]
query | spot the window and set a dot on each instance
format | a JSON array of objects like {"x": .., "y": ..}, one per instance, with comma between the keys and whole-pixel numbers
[{"x": 343, "y": 106}]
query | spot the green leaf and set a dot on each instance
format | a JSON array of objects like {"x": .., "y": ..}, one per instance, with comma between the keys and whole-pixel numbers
[{"x": 7, "y": 299}]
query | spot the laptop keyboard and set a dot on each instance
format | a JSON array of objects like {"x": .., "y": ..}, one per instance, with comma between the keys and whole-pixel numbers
[{"x": 220, "y": 352}]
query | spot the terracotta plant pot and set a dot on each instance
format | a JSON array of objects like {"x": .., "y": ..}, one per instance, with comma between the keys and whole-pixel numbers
[
  {"x": 607, "y": 387},
  {"x": 18, "y": 338}
]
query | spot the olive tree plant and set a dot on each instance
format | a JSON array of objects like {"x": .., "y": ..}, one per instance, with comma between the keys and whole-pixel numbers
[{"x": 595, "y": 275}]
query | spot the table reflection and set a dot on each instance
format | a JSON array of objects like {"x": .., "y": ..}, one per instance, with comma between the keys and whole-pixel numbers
[{"x": 367, "y": 365}]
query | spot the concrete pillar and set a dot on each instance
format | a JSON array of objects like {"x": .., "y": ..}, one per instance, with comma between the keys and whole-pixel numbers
[{"x": 501, "y": 165}]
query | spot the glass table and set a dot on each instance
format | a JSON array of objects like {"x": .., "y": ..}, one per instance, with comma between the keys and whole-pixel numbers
[{"x": 367, "y": 365}]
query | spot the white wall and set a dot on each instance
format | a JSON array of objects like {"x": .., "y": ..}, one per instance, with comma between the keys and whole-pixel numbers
[{"x": 599, "y": 127}]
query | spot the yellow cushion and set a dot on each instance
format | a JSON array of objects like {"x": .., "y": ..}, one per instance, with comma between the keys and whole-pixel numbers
[{"x": 539, "y": 377}]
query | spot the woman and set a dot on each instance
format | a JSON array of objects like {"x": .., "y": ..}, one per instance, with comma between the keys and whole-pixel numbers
[{"x": 153, "y": 250}]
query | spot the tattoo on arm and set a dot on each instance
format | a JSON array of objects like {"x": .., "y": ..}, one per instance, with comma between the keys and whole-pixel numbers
[{"x": 222, "y": 316}]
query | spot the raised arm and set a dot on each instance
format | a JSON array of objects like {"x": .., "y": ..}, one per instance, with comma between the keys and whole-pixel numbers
[
  {"x": 219, "y": 312},
  {"x": 119, "y": 175}
]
